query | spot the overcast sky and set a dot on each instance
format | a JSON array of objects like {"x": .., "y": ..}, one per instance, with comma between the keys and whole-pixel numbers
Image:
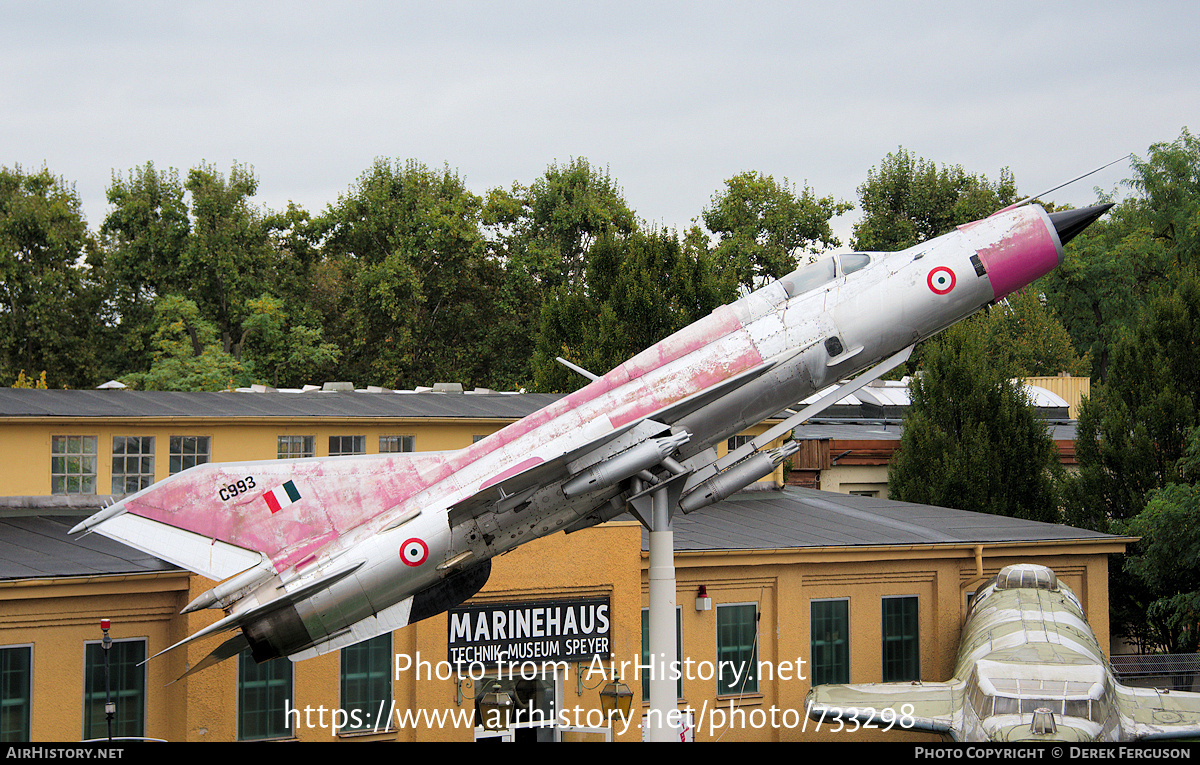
[{"x": 673, "y": 98}]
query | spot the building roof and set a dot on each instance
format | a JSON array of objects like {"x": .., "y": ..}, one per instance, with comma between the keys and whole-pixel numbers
[
  {"x": 37, "y": 547},
  {"x": 24, "y": 402},
  {"x": 890, "y": 399},
  {"x": 795, "y": 517},
  {"x": 837, "y": 429}
]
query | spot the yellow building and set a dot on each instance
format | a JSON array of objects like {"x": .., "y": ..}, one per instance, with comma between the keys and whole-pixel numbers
[{"x": 766, "y": 580}]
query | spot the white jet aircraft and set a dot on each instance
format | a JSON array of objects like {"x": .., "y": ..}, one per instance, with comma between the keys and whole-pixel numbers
[{"x": 316, "y": 554}]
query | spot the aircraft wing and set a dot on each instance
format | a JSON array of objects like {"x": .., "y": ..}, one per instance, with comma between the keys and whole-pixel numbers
[
  {"x": 1154, "y": 714},
  {"x": 930, "y": 707},
  {"x": 515, "y": 483}
]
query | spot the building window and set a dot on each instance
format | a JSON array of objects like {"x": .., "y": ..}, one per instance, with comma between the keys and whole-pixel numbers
[
  {"x": 73, "y": 465},
  {"x": 126, "y": 688},
  {"x": 132, "y": 463},
  {"x": 188, "y": 452},
  {"x": 16, "y": 671},
  {"x": 390, "y": 444},
  {"x": 830, "y": 631},
  {"x": 737, "y": 648},
  {"x": 293, "y": 447},
  {"x": 342, "y": 445},
  {"x": 735, "y": 441},
  {"x": 264, "y": 697},
  {"x": 366, "y": 683},
  {"x": 646, "y": 652},
  {"x": 901, "y": 644}
]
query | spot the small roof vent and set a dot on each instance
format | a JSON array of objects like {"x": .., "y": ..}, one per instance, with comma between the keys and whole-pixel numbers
[{"x": 1026, "y": 576}]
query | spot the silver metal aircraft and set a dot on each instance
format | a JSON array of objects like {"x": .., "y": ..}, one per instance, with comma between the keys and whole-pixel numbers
[
  {"x": 1029, "y": 669},
  {"x": 316, "y": 554}
]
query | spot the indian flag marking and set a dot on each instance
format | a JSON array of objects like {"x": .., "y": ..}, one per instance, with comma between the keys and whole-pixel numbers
[{"x": 282, "y": 496}]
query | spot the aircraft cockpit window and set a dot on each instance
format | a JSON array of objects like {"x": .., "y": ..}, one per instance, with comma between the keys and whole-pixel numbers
[
  {"x": 809, "y": 277},
  {"x": 853, "y": 261}
]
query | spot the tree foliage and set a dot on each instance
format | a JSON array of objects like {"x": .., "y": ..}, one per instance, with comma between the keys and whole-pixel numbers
[
  {"x": 1132, "y": 432},
  {"x": 420, "y": 294},
  {"x": 545, "y": 230},
  {"x": 1165, "y": 563},
  {"x": 639, "y": 289},
  {"x": 411, "y": 279},
  {"x": 142, "y": 242},
  {"x": 47, "y": 300},
  {"x": 909, "y": 200},
  {"x": 188, "y": 353},
  {"x": 762, "y": 225},
  {"x": 1023, "y": 334},
  {"x": 971, "y": 439},
  {"x": 1142, "y": 246}
]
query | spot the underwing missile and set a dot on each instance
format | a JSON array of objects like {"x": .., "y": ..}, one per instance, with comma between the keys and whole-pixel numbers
[
  {"x": 736, "y": 477},
  {"x": 621, "y": 466}
]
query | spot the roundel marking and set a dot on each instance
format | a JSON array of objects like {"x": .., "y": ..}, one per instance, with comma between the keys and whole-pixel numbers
[
  {"x": 413, "y": 552},
  {"x": 941, "y": 280}
]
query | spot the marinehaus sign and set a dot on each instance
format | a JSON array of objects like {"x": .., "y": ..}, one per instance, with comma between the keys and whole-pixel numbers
[{"x": 537, "y": 631}]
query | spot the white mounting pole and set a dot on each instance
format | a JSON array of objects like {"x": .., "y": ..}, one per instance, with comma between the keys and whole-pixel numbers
[{"x": 663, "y": 701}]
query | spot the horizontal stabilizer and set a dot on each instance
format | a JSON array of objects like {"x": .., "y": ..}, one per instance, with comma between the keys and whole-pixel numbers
[
  {"x": 932, "y": 707},
  {"x": 1152, "y": 714},
  {"x": 212, "y": 558}
]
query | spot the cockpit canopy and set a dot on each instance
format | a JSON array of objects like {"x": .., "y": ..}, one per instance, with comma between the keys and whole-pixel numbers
[
  {"x": 1079, "y": 691},
  {"x": 825, "y": 270}
]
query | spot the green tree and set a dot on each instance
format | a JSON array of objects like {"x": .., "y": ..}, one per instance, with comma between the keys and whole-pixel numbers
[
  {"x": 762, "y": 226},
  {"x": 545, "y": 230},
  {"x": 1107, "y": 274},
  {"x": 418, "y": 289},
  {"x": 542, "y": 234},
  {"x": 140, "y": 256},
  {"x": 639, "y": 288},
  {"x": 1166, "y": 560},
  {"x": 228, "y": 259},
  {"x": 1132, "y": 432},
  {"x": 188, "y": 353},
  {"x": 1024, "y": 335},
  {"x": 47, "y": 301},
  {"x": 1142, "y": 246},
  {"x": 909, "y": 200},
  {"x": 972, "y": 440},
  {"x": 282, "y": 353},
  {"x": 1168, "y": 182}
]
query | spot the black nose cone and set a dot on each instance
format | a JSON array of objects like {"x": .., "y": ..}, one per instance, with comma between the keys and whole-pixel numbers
[{"x": 1069, "y": 223}]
